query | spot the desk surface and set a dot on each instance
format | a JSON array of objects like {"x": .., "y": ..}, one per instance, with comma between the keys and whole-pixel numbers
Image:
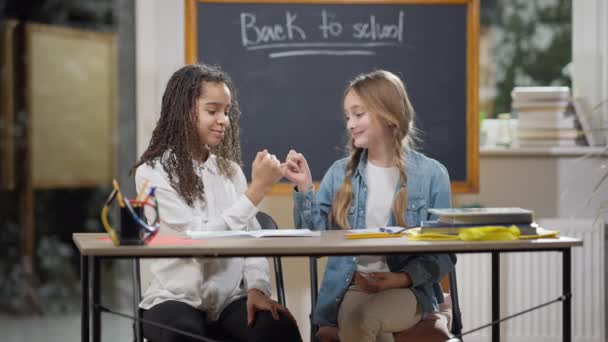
[{"x": 329, "y": 243}]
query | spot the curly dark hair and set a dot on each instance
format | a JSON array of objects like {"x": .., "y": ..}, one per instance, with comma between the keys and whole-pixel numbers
[{"x": 175, "y": 141}]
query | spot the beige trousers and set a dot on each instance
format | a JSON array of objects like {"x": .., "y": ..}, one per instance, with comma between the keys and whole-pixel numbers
[{"x": 375, "y": 317}]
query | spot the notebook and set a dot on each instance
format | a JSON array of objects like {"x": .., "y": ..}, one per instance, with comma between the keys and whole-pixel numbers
[{"x": 254, "y": 233}]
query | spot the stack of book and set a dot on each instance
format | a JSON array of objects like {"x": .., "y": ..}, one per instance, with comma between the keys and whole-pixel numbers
[
  {"x": 545, "y": 117},
  {"x": 451, "y": 220}
]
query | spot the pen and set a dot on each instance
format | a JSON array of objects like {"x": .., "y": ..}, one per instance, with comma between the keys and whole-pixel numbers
[
  {"x": 121, "y": 202},
  {"x": 151, "y": 193},
  {"x": 107, "y": 227},
  {"x": 143, "y": 189},
  {"x": 373, "y": 236},
  {"x": 391, "y": 231}
]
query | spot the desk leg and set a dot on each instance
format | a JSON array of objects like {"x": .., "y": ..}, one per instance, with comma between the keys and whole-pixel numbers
[
  {"x": 495, "y": 296},
  {"x": 314, "y": 285},
  {"x": 84, "y": 299},
  {"x": 567, "y": 290},
  {"x": 96, "y": 328}
]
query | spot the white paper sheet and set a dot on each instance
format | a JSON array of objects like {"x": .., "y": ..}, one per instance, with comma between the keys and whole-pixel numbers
[{"x": 255, "y": 233}]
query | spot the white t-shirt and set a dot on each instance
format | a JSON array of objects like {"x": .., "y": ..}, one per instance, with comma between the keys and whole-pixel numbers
[
  {"x": 208, "y": 284},
  {"x": 381, "y": 184}
]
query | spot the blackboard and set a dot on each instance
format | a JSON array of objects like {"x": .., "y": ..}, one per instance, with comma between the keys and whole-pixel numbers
[{"x": 291, "y": 61}]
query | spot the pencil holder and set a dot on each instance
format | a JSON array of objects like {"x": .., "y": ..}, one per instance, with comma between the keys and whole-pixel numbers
[
  {"x": 131, "y": 232},
  {"x": 133, "y": 229}
]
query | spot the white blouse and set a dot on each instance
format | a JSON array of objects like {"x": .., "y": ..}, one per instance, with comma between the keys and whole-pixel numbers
[{"x": 209, "y": 284}]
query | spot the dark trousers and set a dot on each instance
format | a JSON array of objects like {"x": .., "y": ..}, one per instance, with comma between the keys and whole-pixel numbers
[{"x": 231, "y": 326}]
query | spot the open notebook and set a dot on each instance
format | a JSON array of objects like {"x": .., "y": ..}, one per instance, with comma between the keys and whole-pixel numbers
[{"x": 195, "y": 234}]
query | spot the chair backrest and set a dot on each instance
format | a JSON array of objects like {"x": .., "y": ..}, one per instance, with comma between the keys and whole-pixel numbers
[
  {"x": 137, "y": 312},
  {"x": 265, "y": 221},
  {"x": 314, "y": 291},
  {"x": 456, "y": 315}
]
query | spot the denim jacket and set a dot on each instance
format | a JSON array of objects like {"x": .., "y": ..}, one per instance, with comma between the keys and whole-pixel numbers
[{"x": 428, "y": 186}]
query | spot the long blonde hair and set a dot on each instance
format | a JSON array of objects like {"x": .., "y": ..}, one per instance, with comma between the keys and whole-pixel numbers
[{"x": 384, "y": 95}]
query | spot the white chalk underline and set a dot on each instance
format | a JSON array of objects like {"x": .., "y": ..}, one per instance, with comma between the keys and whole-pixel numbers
[{"x": 321, "y": 52}]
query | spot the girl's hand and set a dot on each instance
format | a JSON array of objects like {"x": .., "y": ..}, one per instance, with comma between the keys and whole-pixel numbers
[
  {"x": 380, "y": 281},
  {"x": 297, "y": 171},
  {"x": 328, "y": 333},
  {"x": 266, "y": 171},
  {"x": 257, "y": 300}
]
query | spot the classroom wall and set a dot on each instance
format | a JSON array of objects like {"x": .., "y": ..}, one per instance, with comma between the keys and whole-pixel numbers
[
  {"x": 590, "y": 55},
  {"x": 159, "y": 28},
  {"x": 160, "y": 51}
]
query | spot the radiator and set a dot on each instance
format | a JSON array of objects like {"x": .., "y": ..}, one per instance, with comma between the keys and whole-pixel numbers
[{"x": 530, "y": 279}]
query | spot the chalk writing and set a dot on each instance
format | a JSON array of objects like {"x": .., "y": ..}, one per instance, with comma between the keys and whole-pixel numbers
[{"x": 331, "y": 37}]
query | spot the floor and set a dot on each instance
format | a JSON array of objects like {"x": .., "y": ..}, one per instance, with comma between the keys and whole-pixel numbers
[
  {"x": 65, "y": 327},
  {"x": 60, "y": 328},
  {"x": 117, "y": 295}
]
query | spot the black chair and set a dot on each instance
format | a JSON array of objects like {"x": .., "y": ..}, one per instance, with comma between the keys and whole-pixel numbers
[
  {"x": 266, "y": 222},
  {"x": 137, "y": 311},
  {"x": 456, "y": 315}
]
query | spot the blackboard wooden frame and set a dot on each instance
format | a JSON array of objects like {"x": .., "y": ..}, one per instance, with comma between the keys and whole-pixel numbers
[{"x": 471, "y": 184}]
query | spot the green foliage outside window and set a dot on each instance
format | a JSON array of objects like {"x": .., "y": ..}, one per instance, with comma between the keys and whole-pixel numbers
[{"x": 531, "y": 42}]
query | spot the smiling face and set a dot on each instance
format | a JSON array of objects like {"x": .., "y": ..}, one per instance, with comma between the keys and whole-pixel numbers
[
  {"x": 213, "y": 106},
  {"x": 364, "y": 127}
]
